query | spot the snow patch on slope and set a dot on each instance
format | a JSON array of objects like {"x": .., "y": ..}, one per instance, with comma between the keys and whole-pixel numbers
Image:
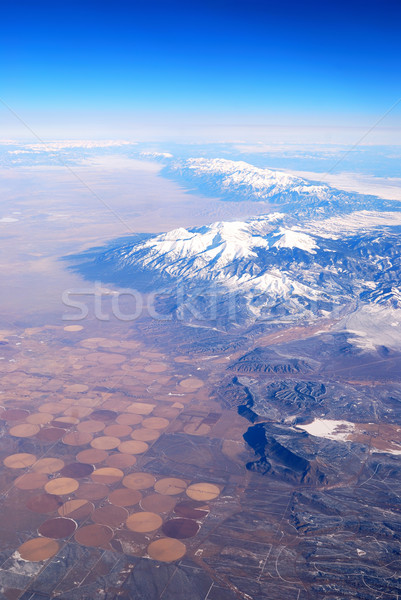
[
  {"x": 290, "y": 238},
  {"x": 330, "y": 429},
  {"x": 352, "y": 224},
  {"x": 374, "y": 325}
]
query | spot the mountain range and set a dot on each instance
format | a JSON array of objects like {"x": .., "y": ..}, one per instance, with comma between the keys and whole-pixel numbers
[
  {"x": 238, "y": 180},
  {"x": 317, "y": 252}
]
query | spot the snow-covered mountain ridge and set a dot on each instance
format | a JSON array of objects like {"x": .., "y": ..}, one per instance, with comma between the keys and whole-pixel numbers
[
  {"x": 275, "y": 268},
  {"x": 227, "y": 253},
  {"x": 236, "y": 175},
  {"x": 238, "y": 180},
  {"x": 310, "y": 261}
]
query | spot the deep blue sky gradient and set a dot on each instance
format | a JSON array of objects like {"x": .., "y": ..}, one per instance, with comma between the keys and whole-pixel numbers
[{"x": 255, "y": 60}]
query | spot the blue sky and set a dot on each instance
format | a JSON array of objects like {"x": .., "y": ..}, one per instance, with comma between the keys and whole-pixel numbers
[{"x": 108, "y": 66}]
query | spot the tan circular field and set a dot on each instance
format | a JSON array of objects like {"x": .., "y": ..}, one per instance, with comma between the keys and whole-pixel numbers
[
  {"x": 92, "y": 491},
  {"x": 105, "y": 442},
  {"x": 158, "y": 503},
  {"x": 156, "y": 367},
  {"x": 133, "y": 447},
  {"x": 40, "y": 418},
  {"x": 31, "y": 481},
  {"x": 92, "y": 456},
  {"x": 61, "y": 486},
  {"x": 125, "y": 497},
  {"x": 94, "y": 535},
  {"x": 139, "y": 481},
  {"x": 129, "y": 419},
  {"x": 121, "y": 461},
  {"x": 140, "y": 408},
  {"x": 72, "y": 328},
  {"x": 114, "y": 403},
  {"x": 144, "y": 522},
  {"x": 76, "y": 509},
  {"x": 109, "y": 514},
  {"x": 197, "y": 429},
  {"x": 48, "y": 465},
  {"x": 78, "y": 411},
  {"x": 38, "y": 549},
  {"x": 77, "y": 438},
  {"x": 67, "y": 420},
  {"x": 170, "y": 486},
  {"x": 203, "y": 491},
  {"x": 24, "y": 430},
  {"x": 191, "y": 384},
  {"x": 166, "y": 550},
  {"x": 91, "y": 426},
  {"x": 105, "y": 358},
  {"x": 92, "y": 342},
  {"x": 182, "y": 359},
  {"x": 107, "y": 475},
  {"x": 145, "y": 435},
  {"x": 118, "y": 430},
  {"x": 155, "y": 423},
  {"x": 52, "y": 407},
  {"x": 19, "y": 461},
  {"x": 178, "y": 405}
]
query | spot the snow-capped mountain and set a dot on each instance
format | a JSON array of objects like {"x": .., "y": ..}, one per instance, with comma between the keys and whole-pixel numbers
[
  {"x": 316, "y": 259},
  {"x": 155, "y": 155},
  {"x": 231, "y": 255},
  {"x": 272, "y": 268},
  {"x": 238, "y": 180},
  {"x": 241, "y": 177}
]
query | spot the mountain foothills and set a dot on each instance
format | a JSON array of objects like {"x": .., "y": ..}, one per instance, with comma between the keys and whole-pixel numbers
[{"x": 318, "y": 252}]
